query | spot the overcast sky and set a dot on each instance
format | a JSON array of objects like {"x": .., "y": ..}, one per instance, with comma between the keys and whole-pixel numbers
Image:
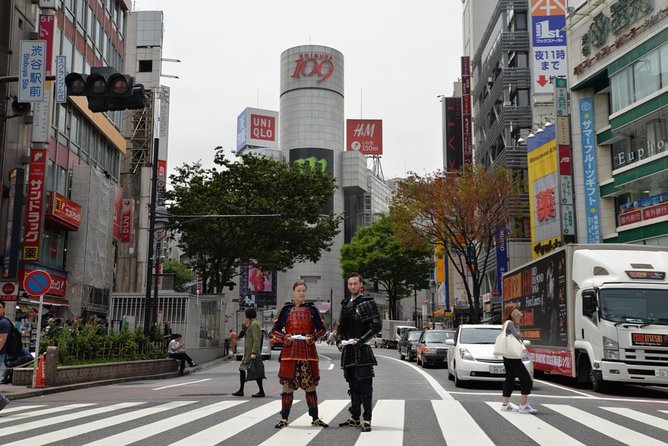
[{"x": 399, "y": 56}]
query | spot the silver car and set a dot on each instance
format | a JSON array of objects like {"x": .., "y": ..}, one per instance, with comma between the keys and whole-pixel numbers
[{"x": 266, "y": 347}]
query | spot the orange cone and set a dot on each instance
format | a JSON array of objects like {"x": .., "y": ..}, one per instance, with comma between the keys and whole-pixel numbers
[{"x": 39, "y": 379}]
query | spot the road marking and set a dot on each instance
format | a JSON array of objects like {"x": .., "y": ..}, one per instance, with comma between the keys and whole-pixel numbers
[
  {"x": 331, "y": 367},
  {"x": 59, "y": 435},
  {"x": 387, "y": 427},
  {"x": 457, "y": 425},
  {"x": 12, "y": 418},
  {"x": 304, "y": 432},
  {"x": 22, "y": 427},
  {"x": 20, "y": 408},
  {"x": 538, "y": 430},
  {"x": 604, "y": 426},
  {"x": 183, "y": 384},
  {"x": 563, "y": 388},
  {"x": 639, "y": 416},
  {"x": 444, "y": 394},
  {"x": 146, "y": 431},
  {"x": 222, "y": 431}
]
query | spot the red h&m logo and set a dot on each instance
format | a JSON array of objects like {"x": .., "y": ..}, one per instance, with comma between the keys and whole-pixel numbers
[
  {"x": 262, "y": 127},
  {"x": 320, "y": 65}
]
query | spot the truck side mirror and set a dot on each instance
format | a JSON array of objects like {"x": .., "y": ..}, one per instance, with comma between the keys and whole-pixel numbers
[{"x": 589, "y": 302}]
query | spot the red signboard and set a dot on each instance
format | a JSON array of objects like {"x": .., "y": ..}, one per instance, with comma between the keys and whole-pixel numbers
[
  {"x": 262, "y": 127},
  {"x": 657, "y": 211},
  {"x": 318, "y": 65},
  {"x": 453, "y": 125},
  {"x": 162, "y": 169},
  {"x": 365, "y": 136},
  {"x": 9, "y": 291},
  {"x": 554, "y": 361},
  {"x": 46, "y": 25},
  {"x": 565, "y": 160},
  {"x": 58, "y": 278},
  {"x": 32, "y": 232},
  {"x": 127, "y": 211},
  {"x": 116, "y": 224},
  {"x": 630, "y": 217},
  {"x": 636, "y": 215},
  {"x": 63, "y": 212}
]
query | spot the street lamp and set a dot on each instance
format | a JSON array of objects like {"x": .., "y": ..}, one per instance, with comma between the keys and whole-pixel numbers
[{"x": 433, "y": 287}]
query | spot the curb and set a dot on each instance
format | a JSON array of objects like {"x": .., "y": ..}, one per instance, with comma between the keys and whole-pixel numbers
[{"x": 21, "y": 394}]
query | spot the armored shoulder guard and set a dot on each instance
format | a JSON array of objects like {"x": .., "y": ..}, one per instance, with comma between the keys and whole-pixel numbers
[{"x": 367, "y": 310}]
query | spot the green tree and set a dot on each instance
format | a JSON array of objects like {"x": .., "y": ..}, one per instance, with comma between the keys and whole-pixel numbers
[
  {"x": 460, "y": 211},
  {"x": 246, "y": 191},
  {"x": 182, "y": 274},
  {"x": 378, "y": 255}
]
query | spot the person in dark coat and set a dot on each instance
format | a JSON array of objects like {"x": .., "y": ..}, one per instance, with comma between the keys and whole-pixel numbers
[{"x": 358, "y": 323}]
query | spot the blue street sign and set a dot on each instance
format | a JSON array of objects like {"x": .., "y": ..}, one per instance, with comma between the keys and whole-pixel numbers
[{"x": 36, "y": 282}]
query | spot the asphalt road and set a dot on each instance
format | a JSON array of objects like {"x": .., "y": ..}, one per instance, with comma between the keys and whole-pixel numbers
[{"x": 413, "y": 406}]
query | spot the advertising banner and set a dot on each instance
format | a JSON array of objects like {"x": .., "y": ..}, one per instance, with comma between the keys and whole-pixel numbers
[
  {"x": 116, "y": 224},
  {"x": 501, "y": 257},
  {"x": 127, "y": 215},
  {"x": 453, "y": 125},
  {"x": 32, "y": 70},
  {"x": 46, "y": 25},
  {"x": 590, "y": 170},
  {"x": 257, "y": 288},
  {"x": 63, "y": 212},
  {"x": 316, "y": 158},
  {"x": 548, "y": 43},
  {"x": 467, "y": 123},
  {"x": 542, "y": 164},
  {"x": 13, "y": 223},
  {"x": 365, "y": 136},
  {"x": 32, "y": 232},
  {"x": 9, "y": 291},
  {"x": 257, "y": 128},
  {"x": 540, "y": 291}
]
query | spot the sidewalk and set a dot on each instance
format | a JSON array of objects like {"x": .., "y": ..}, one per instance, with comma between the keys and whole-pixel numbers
[{"x": 20, "y": 392}]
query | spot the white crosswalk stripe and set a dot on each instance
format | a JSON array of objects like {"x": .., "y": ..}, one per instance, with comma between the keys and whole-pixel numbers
[
  {"x": 229, "y": 418},
  {"x": 604, "y": 426}
]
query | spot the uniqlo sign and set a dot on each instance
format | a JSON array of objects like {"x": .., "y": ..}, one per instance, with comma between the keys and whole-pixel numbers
[
  {"x": 262, "y": 127},
  {"x": 32, "y": 232},
  {"x": 365, "y": 136},
  {"x": 257, "y": 128}
]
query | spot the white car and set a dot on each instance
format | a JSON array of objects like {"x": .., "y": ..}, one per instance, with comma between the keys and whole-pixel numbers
[
  {"x": 266, "y": 347},
  {"x": 471, "y": 355}
]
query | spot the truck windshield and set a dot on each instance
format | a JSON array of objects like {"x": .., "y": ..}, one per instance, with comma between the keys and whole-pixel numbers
[{"x": 642, "y": 306}]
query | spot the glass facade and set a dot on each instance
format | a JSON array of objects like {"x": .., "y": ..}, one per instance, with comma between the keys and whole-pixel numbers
[{"x": 646, "y": 75}]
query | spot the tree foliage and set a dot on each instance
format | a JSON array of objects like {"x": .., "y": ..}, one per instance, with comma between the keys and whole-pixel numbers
[
  {"x": 245, "y": 189},
  {"x": 460, "y": 211},
  {"x": 378, "y": 255}
]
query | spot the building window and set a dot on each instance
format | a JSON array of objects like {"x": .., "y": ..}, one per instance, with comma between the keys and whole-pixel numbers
[
  {"x": 145, "y": 66},
  {"x": 646, "y": 75},
  {"x": 640, "y": 79}
]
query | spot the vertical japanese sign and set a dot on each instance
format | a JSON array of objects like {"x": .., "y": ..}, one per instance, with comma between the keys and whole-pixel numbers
[
  {"x": 548, "y": 43},
  {"x": 127, "y": 211},
  {"x": 46, "y": 25},
  {"x": 453, "y": 134},
  {"x": 61, "y": 72},
  {"x": 32, "y": 231},
  {"x": 586, "y": 107},
  {"x": 467, "y": 127},
  {"x": 544, "y": 192},
  {"x": 13, "y": 223},
  {"x": 501, "y": 257},
  {"x": 32, "y": 70}
]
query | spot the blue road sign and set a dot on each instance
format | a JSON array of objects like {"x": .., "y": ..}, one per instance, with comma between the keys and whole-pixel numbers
[{"x": 36, "y": 282}]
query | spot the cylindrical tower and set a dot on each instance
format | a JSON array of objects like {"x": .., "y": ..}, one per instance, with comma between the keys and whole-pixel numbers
[{"x": 312, "y": 123}]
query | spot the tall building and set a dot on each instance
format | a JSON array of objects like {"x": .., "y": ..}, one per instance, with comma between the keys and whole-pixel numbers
[
  {"x": 618, "y": 75},
  {"x": 67, "y": 225}
]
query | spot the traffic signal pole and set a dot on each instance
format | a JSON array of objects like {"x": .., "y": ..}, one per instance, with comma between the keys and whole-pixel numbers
[{"x": 151, "y": 306}]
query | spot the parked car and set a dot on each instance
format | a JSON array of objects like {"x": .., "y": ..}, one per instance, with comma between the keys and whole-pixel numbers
[
  {"x": 266, "y": 347},
  {"x": 407, "y": 344},
  {"x": 471, "y": 355},
  {"x": 431, "y": 347}
]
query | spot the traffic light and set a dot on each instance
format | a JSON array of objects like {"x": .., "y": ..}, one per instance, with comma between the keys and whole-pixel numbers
[{"x": 106, "y": 89}]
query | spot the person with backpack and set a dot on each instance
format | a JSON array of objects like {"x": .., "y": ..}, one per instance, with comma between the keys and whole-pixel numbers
[{"x": 6, "y": 327}]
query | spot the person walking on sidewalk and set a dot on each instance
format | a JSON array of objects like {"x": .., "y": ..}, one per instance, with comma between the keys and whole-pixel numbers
[
  {"x": 5, "y": 329},
  {"x": 298, "y": 327},
  {"x": 359, "y": 321},
  {"x": 515, "y": 367},
  {"x": 233, "y": 341},
  {"x": 176, "y": 349},
  {"x": 252, "y": 349}
]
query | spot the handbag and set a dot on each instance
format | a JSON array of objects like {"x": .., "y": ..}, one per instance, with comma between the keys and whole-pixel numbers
[
  {"x": 255, "y": 370},
  {"x": 507, "y": 345}
]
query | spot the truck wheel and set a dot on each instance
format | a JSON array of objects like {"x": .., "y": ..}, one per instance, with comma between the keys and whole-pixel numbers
[
  {"x": 583, "y": 372},
  {"x": 597, "y": 383}
]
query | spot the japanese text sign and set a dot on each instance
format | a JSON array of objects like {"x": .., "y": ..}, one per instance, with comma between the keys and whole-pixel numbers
[
  {"x": 548, "y": 43},
  {"x": 32, "y": 232},
  {"x": 586, "y": 107},
  {"x": 32, "y": 70}
]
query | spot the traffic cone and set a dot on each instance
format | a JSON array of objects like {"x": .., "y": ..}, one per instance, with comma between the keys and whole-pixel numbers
[{"x": 40, "y": 381}]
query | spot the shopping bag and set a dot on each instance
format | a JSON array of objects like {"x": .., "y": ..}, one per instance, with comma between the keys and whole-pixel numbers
[
  {"x": 507, "y": 345},
  {"x": 255, "y": 370}
]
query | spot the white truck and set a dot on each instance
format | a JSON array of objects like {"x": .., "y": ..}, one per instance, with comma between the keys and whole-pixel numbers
[
  {"x": 597, "y": 313},
  {"x": 392, "y": 332}
]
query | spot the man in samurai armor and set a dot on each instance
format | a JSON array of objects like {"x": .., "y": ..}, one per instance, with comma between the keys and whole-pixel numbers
[
  {"x": 299, "y": 326},
  {"x": 359, "y": 321}
]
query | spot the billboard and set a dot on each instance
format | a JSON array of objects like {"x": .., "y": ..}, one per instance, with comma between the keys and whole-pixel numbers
[
  {"x": 467, "y": 119},
  {"x": 62, "y": 211},
  {"x": 316, "y": 158},
  {"x": 544, "y": 203},
  {"x": 364, "y": 136},
  {"x": 453, "y": 134},
  {"x": 257, "y": 128},
  {"x": 32, "y": 226},
  {"x": 548, "y": 43},
  {"x": 590, "y": 171}
]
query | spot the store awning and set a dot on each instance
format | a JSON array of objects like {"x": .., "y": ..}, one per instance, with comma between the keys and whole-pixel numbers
[{"x": 49, "y": 300}]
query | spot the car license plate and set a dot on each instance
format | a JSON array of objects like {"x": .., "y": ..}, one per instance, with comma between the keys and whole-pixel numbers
[
  {"x": 497, "y": 369},
  {"x": 663, "y": 373}
]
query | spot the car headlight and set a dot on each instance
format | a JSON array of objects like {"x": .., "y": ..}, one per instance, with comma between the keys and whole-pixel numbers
[
  {"x": 610, "y": 349},
  {"x": 431, "y": 350},
  {"x": 465, "y": 354}
]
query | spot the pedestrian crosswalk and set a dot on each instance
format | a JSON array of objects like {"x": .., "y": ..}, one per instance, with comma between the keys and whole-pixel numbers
[{"x": 238, "y": 422}]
